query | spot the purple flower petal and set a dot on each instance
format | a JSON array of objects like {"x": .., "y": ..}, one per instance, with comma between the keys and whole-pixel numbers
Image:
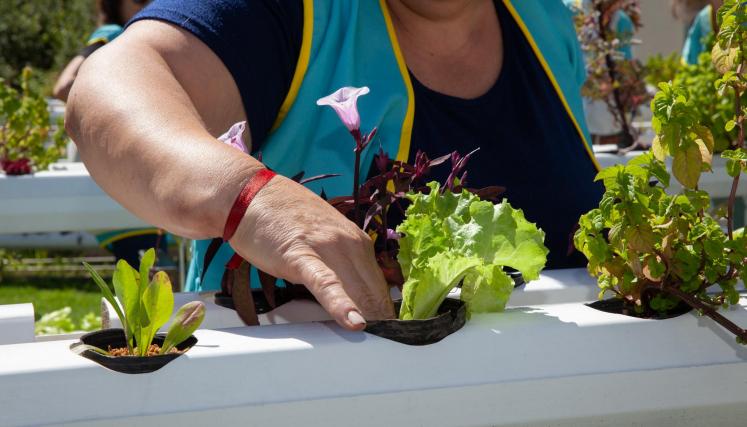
[
  {"x": 345, "y": 103},
  {"x": 233, "y": 137}
]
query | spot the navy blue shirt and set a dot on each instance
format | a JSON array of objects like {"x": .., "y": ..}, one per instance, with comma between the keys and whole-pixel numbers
[{"x": 527, "y": 141}]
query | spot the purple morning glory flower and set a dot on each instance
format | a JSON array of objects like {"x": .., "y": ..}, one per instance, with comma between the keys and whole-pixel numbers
[
  {"x": 344, "y": 101},
  {"x": 233, "y": 137}
]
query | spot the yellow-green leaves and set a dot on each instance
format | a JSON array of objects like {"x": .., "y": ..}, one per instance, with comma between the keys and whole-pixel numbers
[
  {"x": 448, "y": 238},
  {"x": 736, "y": 161},
  {"x": 157, "y": 303},
  {"x": 724, "y": 59},
  {"x": 680, "y": 136},
  {"x": 732, "y": 19},
  {"x": 126, "y": 287},
  {"x": 686, "y": 165}
]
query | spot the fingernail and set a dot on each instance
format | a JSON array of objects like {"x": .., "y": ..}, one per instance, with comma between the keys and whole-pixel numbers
[{"x": 355, "y": 318}]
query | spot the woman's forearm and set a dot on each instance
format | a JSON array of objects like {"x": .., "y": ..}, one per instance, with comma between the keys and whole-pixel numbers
[
  {"x": 145, "y": 143},
  {"x": 145, "y": 111}
]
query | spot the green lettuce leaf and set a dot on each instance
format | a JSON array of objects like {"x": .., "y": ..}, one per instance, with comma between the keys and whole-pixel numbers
[{"x": 450, "y": 238}]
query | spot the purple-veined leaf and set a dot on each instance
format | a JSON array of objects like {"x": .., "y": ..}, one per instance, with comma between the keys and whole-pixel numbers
[{"x": 187, "y": 320}]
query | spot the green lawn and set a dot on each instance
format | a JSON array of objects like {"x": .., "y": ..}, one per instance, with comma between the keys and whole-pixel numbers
[{"x": 53, "y": 294}]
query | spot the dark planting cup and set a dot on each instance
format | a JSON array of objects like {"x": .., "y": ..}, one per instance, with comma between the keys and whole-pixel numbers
[
  {"x": 115, "y": 338},
  {"x": 618, "y": 306},
  {"x": 450, "y": 318}
]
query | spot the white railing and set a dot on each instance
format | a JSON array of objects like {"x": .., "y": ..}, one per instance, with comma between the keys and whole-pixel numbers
[{"x": 548, "y": 360}]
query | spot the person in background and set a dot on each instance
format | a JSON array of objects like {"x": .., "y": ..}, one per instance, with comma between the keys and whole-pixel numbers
[
  {"x": 685, "y": 11},
  {"x": 702, "y": 27},
  {"x": 112, "y": 16}
]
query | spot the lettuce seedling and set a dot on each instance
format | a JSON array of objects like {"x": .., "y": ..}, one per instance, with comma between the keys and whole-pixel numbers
[
  {"x": 144, "y": 305},
  {"x": 448, "y": 238}
]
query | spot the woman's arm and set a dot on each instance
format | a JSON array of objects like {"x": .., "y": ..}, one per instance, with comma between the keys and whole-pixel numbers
[{"x": 145, "y": 111}]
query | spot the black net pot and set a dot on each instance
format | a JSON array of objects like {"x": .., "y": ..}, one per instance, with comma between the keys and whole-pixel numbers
[
  {"x": 618, "y": 306},
  {"x": 450, "y": 318},
  {"x": 115, "y": 338}
]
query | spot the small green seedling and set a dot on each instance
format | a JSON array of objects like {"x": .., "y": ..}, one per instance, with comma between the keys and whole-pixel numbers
[{"x": 144, "y": 305}]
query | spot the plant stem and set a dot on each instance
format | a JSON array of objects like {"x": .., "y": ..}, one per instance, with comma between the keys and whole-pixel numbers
[
  {"x": 740, "y": 143},
  {"x": 356, "y": 176},
  {"x": 612, "y": 72},
  {"x": 709, "y": 311}
]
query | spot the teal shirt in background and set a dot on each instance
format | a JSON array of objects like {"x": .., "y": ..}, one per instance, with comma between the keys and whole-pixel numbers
[
  {"x": 104, "y": 34},
  {"x": 700, "y": 28},
  {"x": 620, "y": 24}
]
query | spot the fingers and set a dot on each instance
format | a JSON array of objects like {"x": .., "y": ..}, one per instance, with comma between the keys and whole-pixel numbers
[
  {"x": 379, "y": 304},
  {"x": 328, "y": 290}
]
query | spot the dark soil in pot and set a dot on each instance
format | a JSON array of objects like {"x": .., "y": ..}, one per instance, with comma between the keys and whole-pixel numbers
[
  {"x": 618, "y": 306},
  {"x": 115, "y": 338},
  {"x": 451, "y": 317}
]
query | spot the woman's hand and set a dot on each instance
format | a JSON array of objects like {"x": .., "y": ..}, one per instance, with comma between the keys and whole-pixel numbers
[{"x": 291, "y": 233}]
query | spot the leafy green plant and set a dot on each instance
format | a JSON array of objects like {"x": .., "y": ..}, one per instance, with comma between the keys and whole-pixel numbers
[
  {"x": 24, "y": 128},
  {"x": 61, "y": 322},
  {"x": 450, "y": 238},
  {"x": 714, "y": 109},
  {"x": 43, "y": 34},
  {"x": 661, "y": 68},
  {"x": 655, "y": 250},
  {"x": 55, "y": 322},
  {"x": 144, "y": 305}
]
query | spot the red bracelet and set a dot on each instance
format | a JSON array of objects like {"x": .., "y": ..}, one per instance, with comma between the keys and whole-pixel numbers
[{"x": 245, "y": 197}]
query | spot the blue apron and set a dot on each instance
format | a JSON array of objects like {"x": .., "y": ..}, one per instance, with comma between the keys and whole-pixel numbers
[{"x": 353, "y": 43}]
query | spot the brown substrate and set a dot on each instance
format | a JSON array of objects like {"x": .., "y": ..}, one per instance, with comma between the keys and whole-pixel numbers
[{"x": 153, "y": 350}]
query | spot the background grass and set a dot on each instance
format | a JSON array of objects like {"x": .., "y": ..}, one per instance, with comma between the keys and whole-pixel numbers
[{"x": 50, "y": 294}]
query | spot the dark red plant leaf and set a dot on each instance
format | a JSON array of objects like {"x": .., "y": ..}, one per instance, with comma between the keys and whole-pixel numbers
[
  {"x": 491, "y": 193},
  {"x": 391, "y": 268},
  {"x": 212, "y": 249},
  {"x": 343, "y": 204},
  {"x": 298, "y": 177},
  {"x": 382, "y": 161},
  {"x": 439, "y": 160},
  {"x": 317, "y": 178},
  {"x": 268, "y": 286},
  {"x": 375, "y": 209}
]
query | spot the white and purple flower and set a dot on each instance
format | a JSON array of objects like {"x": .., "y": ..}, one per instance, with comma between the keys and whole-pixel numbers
[
  {"x": 345, "y": 103},
  {"x": 233, "y": 137}
]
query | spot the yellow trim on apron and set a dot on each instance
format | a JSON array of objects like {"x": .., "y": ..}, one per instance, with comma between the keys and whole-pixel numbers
[
  {"x": 301, "y": 66},
  {"x": 404, "y": 143},
  {"x": 551, "y": 76}
]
